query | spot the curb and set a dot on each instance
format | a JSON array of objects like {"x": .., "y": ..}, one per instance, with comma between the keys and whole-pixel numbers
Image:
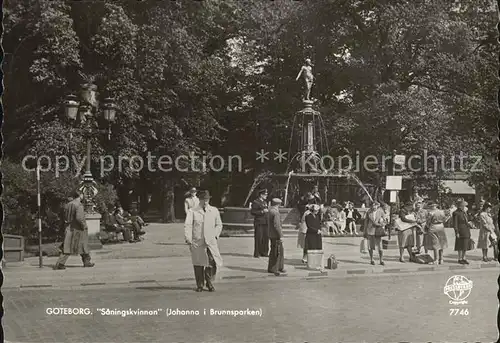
[{"x": 311, "y": 275}]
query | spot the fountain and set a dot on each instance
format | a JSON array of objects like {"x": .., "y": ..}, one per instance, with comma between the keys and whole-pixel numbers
[{"x": 308, "y": 147}]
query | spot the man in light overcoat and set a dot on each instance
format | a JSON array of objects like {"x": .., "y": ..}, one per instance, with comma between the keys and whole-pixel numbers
[
  {"x": 202, "y": 230},
  {"x": 76, "y": 238}
]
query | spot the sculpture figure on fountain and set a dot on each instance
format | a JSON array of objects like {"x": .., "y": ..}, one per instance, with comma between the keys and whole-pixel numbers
[{"x": 306, "y": 72}]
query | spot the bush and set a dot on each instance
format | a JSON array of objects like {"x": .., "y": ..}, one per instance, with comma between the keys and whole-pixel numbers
[{"x": 20, "y": 201}]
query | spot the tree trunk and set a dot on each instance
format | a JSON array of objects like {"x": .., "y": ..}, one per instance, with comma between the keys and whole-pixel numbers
[{"x": 168, "y": 210}]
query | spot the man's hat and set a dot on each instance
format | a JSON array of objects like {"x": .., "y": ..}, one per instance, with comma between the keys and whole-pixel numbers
[
  {"x": 462, "y": 202},
  {"x": 192, "y": 189},
  {"x": 204, "y": 195},
  {"x": 263, "y": 191},
  {"x": 276, "y": 201}
]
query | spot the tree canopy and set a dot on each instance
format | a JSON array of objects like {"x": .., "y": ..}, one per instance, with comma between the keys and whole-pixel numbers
[{"x": 218, "y": 77}]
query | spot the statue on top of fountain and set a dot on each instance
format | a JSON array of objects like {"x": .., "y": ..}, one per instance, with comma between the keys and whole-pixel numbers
[{"x": 306, "y": 72}]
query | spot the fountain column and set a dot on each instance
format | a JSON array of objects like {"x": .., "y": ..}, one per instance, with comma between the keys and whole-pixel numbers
[{"x": 310, "y": 157}]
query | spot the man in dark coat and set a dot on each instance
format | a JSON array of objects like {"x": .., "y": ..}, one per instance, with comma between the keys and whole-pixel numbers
[
  {"x": 276, "y": 256},
  {"x": 261, "y": 236},
  {"x": 76, "y": 236}
]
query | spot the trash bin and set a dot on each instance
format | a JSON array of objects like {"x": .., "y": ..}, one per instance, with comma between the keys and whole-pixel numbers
[{"x": 315, "y": 259}]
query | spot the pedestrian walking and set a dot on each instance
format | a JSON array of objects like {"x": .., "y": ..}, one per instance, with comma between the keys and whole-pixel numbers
[
  {"x": 375, "y": 222},
  {"x": 435, "y": 235},
  {"x": 462, "y": 225},
  {"x": 259, "y": 211},
  {"x": 76, "y": 237},
  {"x": 202, "y": 229},
  {"x": 313, "y": 236},
  {"x": 276, "y": 255},
  {"x": 191, "y": 201},
  {"x": 487, "y": 233}
]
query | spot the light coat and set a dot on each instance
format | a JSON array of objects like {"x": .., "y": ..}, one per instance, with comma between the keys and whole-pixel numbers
[
  {"x": 375, "y": 221},
  {"x": 486, "y": 230},
  {"x": 201, "y": 231}
]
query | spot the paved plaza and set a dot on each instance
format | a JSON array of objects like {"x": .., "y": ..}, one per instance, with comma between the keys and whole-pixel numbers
[
  {"x": 344, "y": 305},
  {"x": 385, "y": 308}
]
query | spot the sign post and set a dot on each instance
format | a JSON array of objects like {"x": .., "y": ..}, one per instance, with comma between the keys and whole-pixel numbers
[
  {"x": 394, "y": 183},
  {"x": 39, "y": 203}
]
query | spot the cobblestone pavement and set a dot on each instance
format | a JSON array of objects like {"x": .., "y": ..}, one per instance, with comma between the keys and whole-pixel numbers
[{"x": 411, "y": 308}]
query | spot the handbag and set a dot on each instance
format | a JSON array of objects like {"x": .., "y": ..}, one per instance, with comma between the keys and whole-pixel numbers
[
  {"x": 380, "y": 231},
  {"x": 363, "y": 246}
]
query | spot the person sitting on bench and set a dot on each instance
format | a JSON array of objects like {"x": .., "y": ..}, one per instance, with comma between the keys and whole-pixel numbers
[
  {"x": 137, "y": 225},
  {"x": 124, "y": 226}
]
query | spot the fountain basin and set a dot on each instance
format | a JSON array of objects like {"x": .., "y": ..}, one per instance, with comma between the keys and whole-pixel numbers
[{"x": 237, "y": 220}]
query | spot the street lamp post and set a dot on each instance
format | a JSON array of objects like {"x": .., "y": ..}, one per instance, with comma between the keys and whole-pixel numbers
[{"x": 81, "y": 114}]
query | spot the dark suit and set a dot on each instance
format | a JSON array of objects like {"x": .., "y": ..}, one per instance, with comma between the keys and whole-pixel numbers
[
  {"x": 261, "y": 235},
  {"x": 276, "y": 256}
]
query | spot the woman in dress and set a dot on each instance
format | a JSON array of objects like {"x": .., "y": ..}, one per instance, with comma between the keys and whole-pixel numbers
[
  {"x": 406, "y": 231},
  {"x": 486, "y": 231},
  {"x": 435, "y": 236},
  {"x": 304, "y": 207},
  {"x": 375, "y": 222},
  {"x": 313, "y": 235},
  {"x": 461, "y": 224},
  {"x": 342, "y": 219}
]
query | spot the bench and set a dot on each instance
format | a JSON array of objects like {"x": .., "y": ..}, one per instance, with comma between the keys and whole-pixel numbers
[{"x": 13, "y": 248}]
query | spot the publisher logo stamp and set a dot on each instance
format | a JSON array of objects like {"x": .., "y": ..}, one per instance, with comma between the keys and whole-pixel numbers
[{"x": 458, "y": 289}]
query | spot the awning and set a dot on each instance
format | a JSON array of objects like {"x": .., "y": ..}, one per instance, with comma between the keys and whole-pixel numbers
[{"x": 458, "y": 187}]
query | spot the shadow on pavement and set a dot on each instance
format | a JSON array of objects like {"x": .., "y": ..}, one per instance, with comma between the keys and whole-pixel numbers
[
  {"x": 353, "y": 262},
  {"x": 294, "y": 262},
  {"x": 236, "y": 254},
  {"x": 337, "y": 243},
  {"x": 246, "y": 269},
  {"x": 166, "y": 288},
  {"x": 161, "y": 243}
]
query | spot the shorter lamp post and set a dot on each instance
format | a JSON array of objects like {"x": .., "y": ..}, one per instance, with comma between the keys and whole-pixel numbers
[{"x": 80, "y": 115}]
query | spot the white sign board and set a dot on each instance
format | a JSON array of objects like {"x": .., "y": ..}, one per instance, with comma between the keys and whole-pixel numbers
[
  {"x": 400, "y": 159},
  {"x": 394, "y": 183}
]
